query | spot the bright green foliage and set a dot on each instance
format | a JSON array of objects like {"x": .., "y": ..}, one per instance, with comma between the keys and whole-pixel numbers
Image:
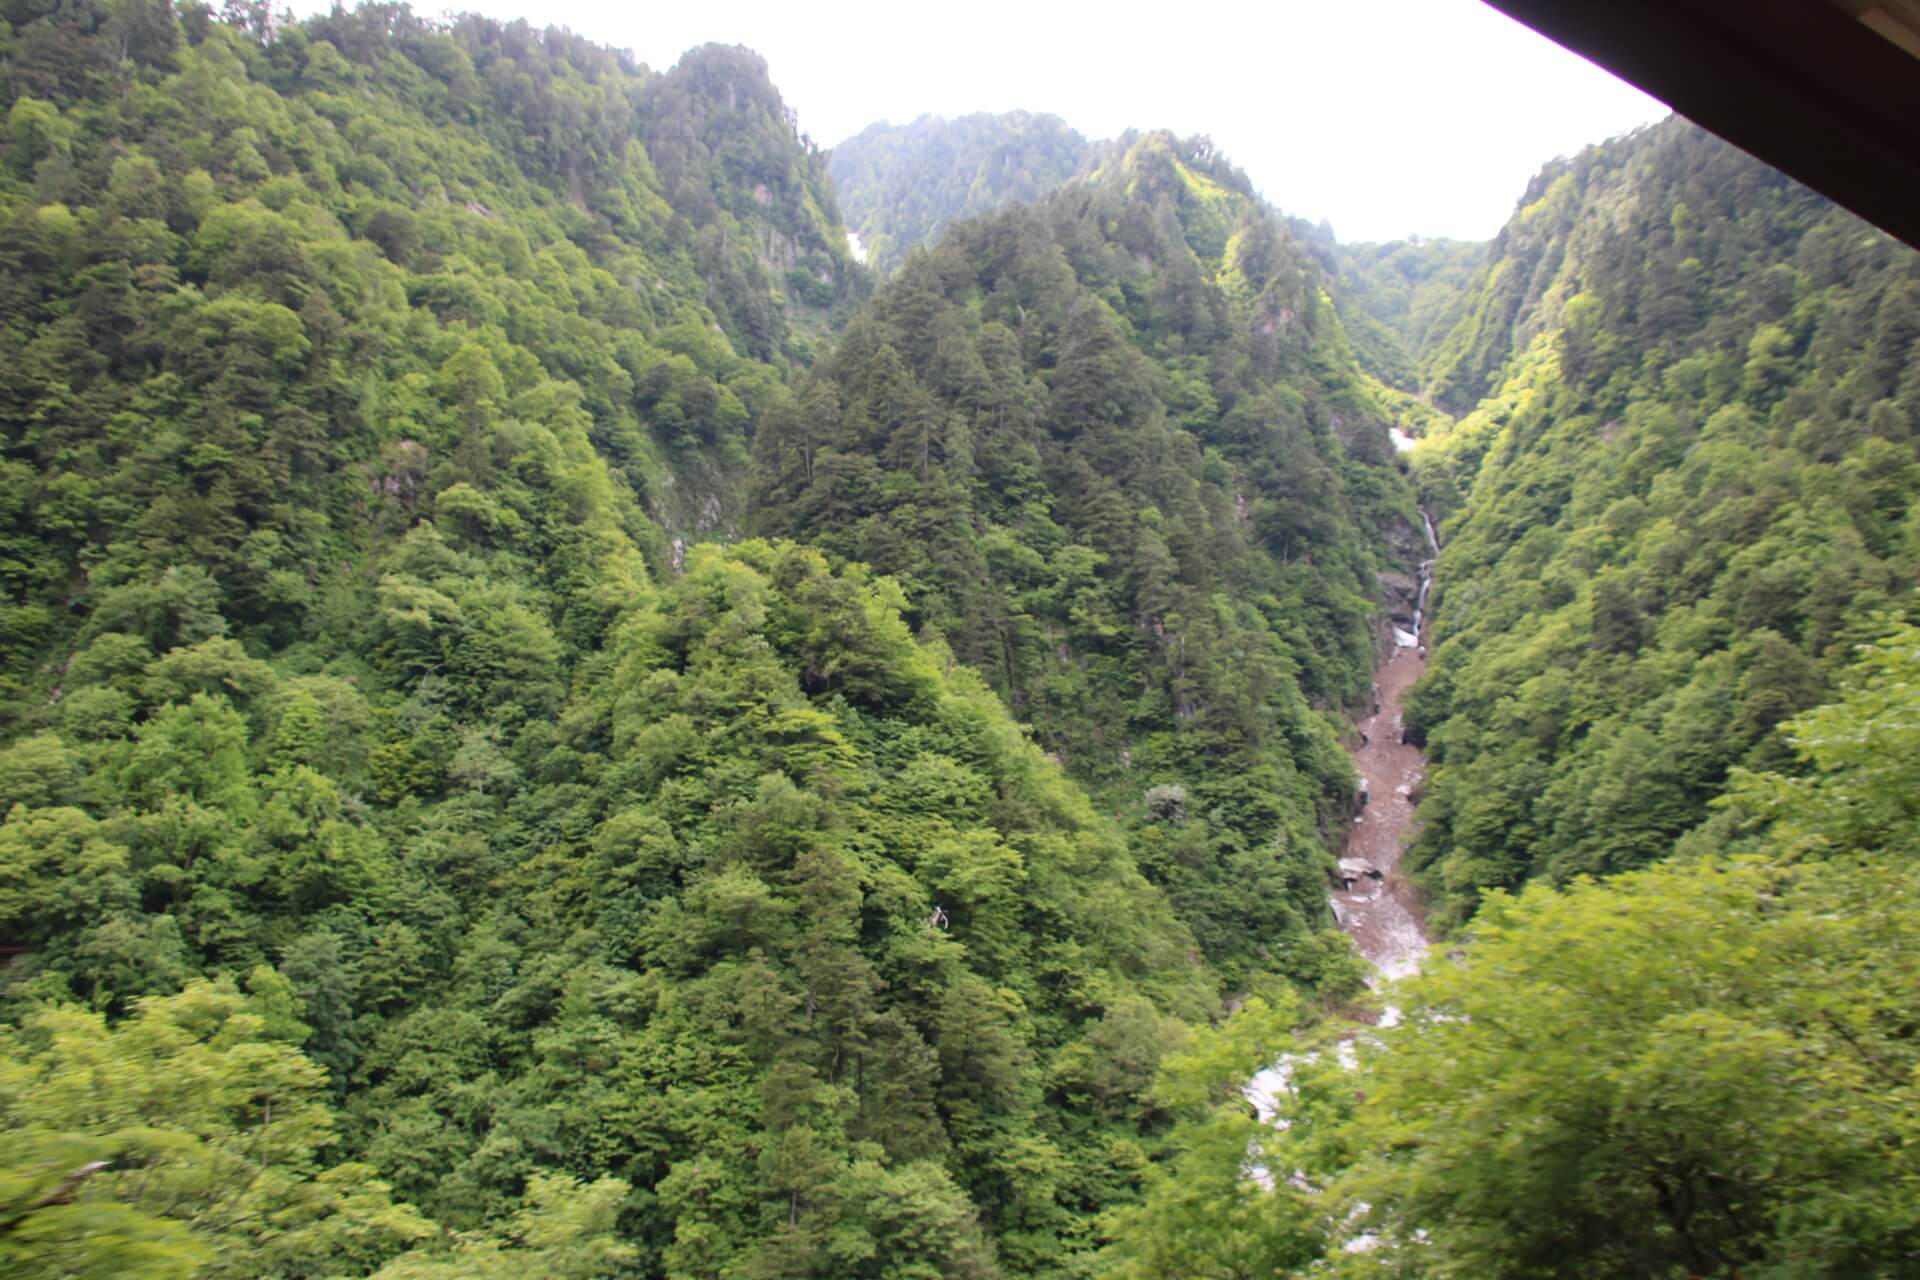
[
  {"x": 1118, "y": 454},
  {"x": 1218, "y": 1205},
  {"x": 1706, "y": 1069},
  {"x": 353, "y": 372},
  {"x": 733, "y": 987},
  {"x": 183, "y": 1142},
  {"x": 417, "y": 860},
  {"x": 767, "y": 234},
  {"x": 902, "y": 186},
  {"x": 1693, "y": 1071},
  {"x": 264, "y": 304},
  {"x": 1689, "y": 495},
  {"x": 1860, "y": 793},
  {"x": 677, "y": 934},
  {"x": 566, "y": 1231},
  {"x": 1400, "y": 299}
]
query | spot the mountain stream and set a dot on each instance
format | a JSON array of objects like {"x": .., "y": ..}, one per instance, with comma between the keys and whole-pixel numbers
[
  {"x": 1376, "y": 905},
  {"x": 1374, "y": 902}
]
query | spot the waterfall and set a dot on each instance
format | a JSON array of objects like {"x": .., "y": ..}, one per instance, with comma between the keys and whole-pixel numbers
[{"x": 1426, "y": 574}]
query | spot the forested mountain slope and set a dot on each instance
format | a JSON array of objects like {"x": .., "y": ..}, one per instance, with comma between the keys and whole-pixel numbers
[
  {"x": 549, "y": 727},
  {"x": 317, "y": 268},
  {"x": 1688, "y": 496},
  {"x": 1399, "y": 299},
  {"x": 418, "y": 859},
  {"x": 901, "y": 186},
  {"x": 1703, "y": 1068},
  {"x": 1675, "y": 703},
  {"x": 1119, "y": 454}
]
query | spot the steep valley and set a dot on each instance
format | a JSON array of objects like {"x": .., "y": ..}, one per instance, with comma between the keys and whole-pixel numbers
[
  {"x": 553, "y": 722},
  {"x": 1376, "y": 903}
]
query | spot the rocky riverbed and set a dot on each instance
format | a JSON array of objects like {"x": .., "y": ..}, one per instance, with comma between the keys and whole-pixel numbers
[
  {"x": 1374, "y": 901},
  {"x": 1376, "y": 904}
]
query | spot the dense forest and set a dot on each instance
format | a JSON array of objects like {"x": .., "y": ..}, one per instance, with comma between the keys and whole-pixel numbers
[
  {"x": 522, "y": 882},
  {"x": 1706, "y": 1068},
  {"x": 554, "y": 723},
  {"x": 522, "y": 890},
  {"x": 1398, "y": 300},
  {"x": 1673, "y": 704},
  {"x": 1117, "y": 452},
  {"x": 901, "y": 186},
  {"x": 1688, "y": 496}
]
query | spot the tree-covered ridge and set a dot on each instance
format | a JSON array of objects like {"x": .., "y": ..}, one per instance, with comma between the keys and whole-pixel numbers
[
  {"x": 417, "y": 861},
  {"x": 308, "y": 273},
  {"x": 1399, "y": 299},
  {"x": 516, "y": 905},
  {"x": 1691, "y": 495},
  {"x": 1667, "y": 224},
  {"x": 1687, "y": 512},
  {"x": 776, "y": 919},
  {"x": 1119, "y": 455},
  {"x": 901, "y": 186},
  {"x": 758, "y": 195}
]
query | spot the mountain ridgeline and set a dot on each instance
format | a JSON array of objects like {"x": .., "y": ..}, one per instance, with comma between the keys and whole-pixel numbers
[
  {"x": 554, "y": 723},
  {"x": 1688, "y": 496},
  {"x": 1118, "y": 454},
  {"x": 511, "y": 871},
  {"x": 901, "y": 186}
]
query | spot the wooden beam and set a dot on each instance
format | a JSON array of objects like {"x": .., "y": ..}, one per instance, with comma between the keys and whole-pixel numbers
[{"x": 1797, "y": 83}]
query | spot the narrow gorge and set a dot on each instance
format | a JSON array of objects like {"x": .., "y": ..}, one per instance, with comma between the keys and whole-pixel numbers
[{"x": 1375, "y": 902}]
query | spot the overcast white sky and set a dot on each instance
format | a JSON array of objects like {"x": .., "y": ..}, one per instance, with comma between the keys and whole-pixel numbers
[{"x": 1385, "y": 117}]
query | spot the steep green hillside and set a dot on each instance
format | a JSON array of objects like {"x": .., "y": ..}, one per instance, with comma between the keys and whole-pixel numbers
[
  {"x": 415, "y": 859},
  {"x": 265, "y": 304},
  {"x": 1705, "y": 1068},
  {"x": 550, "y": 728},
  {"x": 1690, "y": 495},
  {"x": 759, "y": 910},
  {"x": 1398, "y": 300},
  {"x": 1119, "y": 455},
  {"x": 901, "y": 186},
  {"x": 1688, "y": 511},
  {"x": 766, "y": 233}
]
